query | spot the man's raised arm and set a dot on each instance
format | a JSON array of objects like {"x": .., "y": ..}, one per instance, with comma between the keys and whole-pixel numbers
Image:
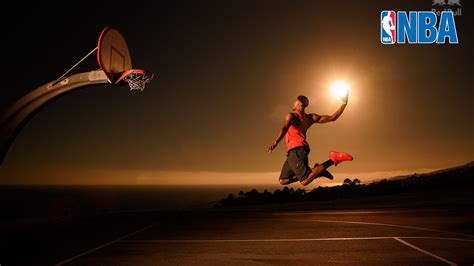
[
  {"x": 281, "y": 133},
  {"x": 330, "y": 118}
]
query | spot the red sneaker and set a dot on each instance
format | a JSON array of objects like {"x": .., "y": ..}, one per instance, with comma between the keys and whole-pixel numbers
[{"x": 338, "y": 157}]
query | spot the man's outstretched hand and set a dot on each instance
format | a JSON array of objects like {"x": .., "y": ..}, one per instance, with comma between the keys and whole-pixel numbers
[
  {"x": 345, "y": 98},
  {"x": 271, "y": 148}
]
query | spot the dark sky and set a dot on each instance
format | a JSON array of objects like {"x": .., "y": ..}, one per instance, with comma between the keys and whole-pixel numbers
[{"x": 226, "y": 73}]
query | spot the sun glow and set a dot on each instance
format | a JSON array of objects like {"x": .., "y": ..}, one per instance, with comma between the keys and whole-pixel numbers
[{"x": 339, "y": 89}]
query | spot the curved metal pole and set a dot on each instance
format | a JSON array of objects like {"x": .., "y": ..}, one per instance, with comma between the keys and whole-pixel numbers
[{"x": 15, "y": 117}]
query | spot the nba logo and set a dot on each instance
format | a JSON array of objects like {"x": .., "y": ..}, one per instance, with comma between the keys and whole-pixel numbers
[{"x": 388, "y": 27}]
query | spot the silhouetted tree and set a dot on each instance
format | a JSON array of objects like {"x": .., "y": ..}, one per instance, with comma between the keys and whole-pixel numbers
[
  {"x": 347, "y": 181},
  {"x": 299, "y": 194},
  {"x": 252, "y": 194},
  {"x": 300, "y": 191}
]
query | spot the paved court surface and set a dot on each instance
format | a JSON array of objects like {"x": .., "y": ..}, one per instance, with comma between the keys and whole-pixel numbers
[
  {"x": 355, "y": 237},
  {"x": 326, "y": 237}
]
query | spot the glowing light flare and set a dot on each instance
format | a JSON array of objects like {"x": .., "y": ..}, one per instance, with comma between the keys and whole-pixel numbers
[{"x": 339, "y": 89}]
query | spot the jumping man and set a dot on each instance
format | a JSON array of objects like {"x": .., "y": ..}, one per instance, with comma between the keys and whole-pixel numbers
[{"x": 296, "y": 124}]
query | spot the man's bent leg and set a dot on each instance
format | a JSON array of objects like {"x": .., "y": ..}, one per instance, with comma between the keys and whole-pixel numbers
[
  {"x": 336, "y": 158},
  {"x": 298, "y": 162},
  {"x": 287, "y": 175},
  {"x": 287, "y": 181},
  {"x": 325, "y": 172},
  {"x": 318, "y": 170}
]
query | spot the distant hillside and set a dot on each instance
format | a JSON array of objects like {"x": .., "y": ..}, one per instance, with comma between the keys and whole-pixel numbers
[
  {"x": 437, "y": 172},
  {"x": 460, "y": 178}
]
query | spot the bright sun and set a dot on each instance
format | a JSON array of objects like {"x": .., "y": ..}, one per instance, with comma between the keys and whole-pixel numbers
[{"x": 339, "y": 88}]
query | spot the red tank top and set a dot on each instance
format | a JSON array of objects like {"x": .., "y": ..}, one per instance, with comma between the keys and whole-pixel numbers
[{"x": 296, "y": 134}]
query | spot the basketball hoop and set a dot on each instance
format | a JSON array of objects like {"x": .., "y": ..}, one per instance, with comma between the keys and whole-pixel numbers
[
  {"x": 114, "y": 59},
  {"x": 136, "y": 78}
]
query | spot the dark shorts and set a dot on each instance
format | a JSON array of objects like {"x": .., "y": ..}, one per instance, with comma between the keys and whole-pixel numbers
[{"x": 296, "y": 164}]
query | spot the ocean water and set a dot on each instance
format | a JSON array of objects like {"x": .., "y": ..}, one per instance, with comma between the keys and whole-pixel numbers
[{"x": 40, "y": 203}]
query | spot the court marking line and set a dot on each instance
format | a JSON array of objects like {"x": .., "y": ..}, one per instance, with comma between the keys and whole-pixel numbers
[
  {"x": 350, "y": 212},
  {"x": 437, "y": 238},
  {"x": 381, "y": 224},
  {"x": 248, "y": 240},
  {"x": 286, "y": 239},
  {"x": 424, "y": 251},
  {"x": 102, "y": 246}
]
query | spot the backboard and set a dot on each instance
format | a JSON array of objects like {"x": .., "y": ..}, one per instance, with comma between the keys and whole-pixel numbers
[{"x": 113, "y": 55}]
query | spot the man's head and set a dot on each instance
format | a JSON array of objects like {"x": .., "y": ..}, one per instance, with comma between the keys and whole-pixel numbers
[{"x": 300, "y": 103}]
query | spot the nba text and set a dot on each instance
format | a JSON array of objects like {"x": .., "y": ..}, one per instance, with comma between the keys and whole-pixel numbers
[{"x": 417, "y": 27}]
